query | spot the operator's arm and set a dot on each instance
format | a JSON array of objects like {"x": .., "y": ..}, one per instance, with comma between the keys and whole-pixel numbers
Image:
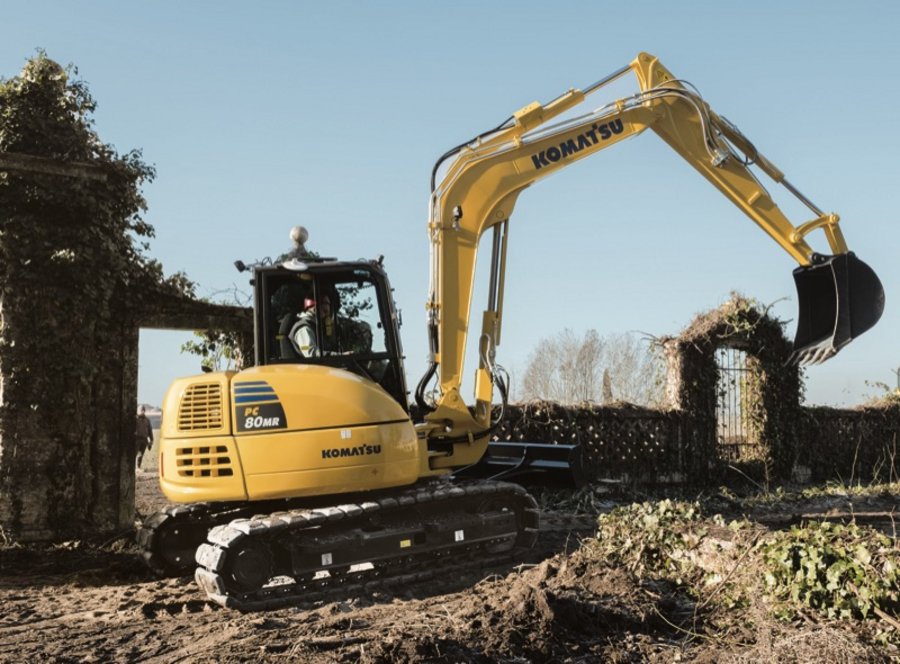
[{"x": 303, "y": 336}]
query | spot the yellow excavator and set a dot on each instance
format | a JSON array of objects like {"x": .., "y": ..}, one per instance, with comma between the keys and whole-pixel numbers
[{"x": 306, "y": 472}]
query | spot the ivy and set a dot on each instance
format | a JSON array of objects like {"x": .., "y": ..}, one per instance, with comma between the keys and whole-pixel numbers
[
  {"x": 74, "y": 279},
  {"x": 836, "y": 570},
  {"x": 650, "y": 538},
  {"x": 219, "y": 350},
  {"x": 844, "y": 571},
  {"x": 92, "y": 230},
  {"x": 773, "y": 388}
]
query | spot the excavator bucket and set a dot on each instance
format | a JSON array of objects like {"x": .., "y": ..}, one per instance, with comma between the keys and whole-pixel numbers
[{"x": 840, "y": 298}]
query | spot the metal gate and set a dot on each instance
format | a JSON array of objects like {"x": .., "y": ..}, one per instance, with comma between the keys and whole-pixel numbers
[{"x": 733, "y": 428}]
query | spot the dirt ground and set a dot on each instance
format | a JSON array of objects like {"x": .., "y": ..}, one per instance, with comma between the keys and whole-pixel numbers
[{"x": 96, "y": 602}]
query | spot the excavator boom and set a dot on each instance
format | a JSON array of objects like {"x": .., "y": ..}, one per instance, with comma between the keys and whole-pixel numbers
[{"x": 839, "y": 296}]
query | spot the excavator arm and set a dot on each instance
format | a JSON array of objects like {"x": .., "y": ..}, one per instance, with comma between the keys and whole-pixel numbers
[{"x": 840, "y": 296}]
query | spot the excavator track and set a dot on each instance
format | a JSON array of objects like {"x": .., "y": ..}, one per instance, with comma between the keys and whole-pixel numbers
[
  {"x": 304, "y": 555},
  {"x": 169, "y": 538}
]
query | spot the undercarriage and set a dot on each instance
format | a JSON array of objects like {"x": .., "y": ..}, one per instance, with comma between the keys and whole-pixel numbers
[{"x": 304, "y": 552}]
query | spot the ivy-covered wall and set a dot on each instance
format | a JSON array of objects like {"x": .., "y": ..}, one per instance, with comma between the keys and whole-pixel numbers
[
  {"x": 772, "y": 386},
  {"x": 617, "y": 441},
  {"x": 679, "y": 443},
  {"x": 75, "y": 287},
  {"x": 852, "y": 445}
]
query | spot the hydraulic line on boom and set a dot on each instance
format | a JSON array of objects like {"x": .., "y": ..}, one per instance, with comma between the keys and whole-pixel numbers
[{"x": 840, "y": 297}]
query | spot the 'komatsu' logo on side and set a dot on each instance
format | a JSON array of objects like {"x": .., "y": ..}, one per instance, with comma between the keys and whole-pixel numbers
[
  {"x": 362, "y": 450},
  {"x": 597, "y": 133}
]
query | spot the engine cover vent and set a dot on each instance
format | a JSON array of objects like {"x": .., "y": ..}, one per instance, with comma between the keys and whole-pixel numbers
[
  {"x": 201, "y": 408},
  {"x": 208, "y": 461}
]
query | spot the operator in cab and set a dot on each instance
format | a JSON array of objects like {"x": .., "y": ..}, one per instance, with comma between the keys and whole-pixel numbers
[
  {"x": 321, "y": 332},
  {"x": 317, "y": 320}
]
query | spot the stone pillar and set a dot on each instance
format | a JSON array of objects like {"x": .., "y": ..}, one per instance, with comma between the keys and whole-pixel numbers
[
  {"x": 74, "y": 289},
  {"x": 691, "y": 389},
  {"x": 773, "y": 386},
  {"x": 67, "y": 379}
]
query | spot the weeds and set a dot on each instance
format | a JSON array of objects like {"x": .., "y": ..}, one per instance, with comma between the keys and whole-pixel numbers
[
  {"x": 844, "y": 571},
  {"x": 837, "y": 571},
  {"x": 651, "y": 537}
]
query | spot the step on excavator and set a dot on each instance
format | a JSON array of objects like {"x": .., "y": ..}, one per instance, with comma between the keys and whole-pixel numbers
[{"x": 306, "y": 474}]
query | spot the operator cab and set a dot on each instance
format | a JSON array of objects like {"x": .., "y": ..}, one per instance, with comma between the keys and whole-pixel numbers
[{"x": 347, "y": 313}]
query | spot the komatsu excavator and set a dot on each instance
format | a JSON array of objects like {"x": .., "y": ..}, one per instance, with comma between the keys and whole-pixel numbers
[{"x": 306, "y": 471}]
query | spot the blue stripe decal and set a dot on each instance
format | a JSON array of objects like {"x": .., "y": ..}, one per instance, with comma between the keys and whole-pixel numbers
[
  {"x": 252, "y": 382},
  {"x": 254, "y": 390},
  {"x": 261, "y": 398}
]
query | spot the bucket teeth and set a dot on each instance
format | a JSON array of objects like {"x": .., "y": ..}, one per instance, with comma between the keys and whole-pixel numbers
[{"x": 815, "y": 355}]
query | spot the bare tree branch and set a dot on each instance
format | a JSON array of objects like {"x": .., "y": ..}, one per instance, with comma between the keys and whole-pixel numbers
[{"x": 572, "y": 369}]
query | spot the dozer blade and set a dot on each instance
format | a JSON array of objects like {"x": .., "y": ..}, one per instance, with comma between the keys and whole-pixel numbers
[
  {"x": 530, "y": 464},
  {"x": 840, "y": 298}
]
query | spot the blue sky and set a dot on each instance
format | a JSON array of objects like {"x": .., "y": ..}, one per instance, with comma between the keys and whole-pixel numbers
[{"x": 260, "y": 116}]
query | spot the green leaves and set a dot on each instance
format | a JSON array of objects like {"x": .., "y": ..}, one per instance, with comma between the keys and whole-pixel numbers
[
  {"x": 842, "y": 570},
  {"x": 72, "y": 224},
  {"x": 650, "y": 537},
  {"x": 219, "y": 350}
]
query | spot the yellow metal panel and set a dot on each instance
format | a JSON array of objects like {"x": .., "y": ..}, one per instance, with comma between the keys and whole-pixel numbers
[
  {"x": 202, "y": 468},
  {"x": 332, "y": 460},
  {"x": 197, "y": 406},
  {"x": 315, "y": 397},
  {"x": 483, "y": 386},
  {"x": 298, "y": 430}
]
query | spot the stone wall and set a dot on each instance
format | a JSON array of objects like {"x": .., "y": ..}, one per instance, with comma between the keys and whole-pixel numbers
[
  {"x": 618, "y": 441},
  {"x": 67, "y": 428},
  {"x": 679, "y": 443},
  {"x": 851, "y": 445},
  {"x": 773, "y": 384},
  {"x": 75, "y": 288},
  {"x": 627, "y": 443}
]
